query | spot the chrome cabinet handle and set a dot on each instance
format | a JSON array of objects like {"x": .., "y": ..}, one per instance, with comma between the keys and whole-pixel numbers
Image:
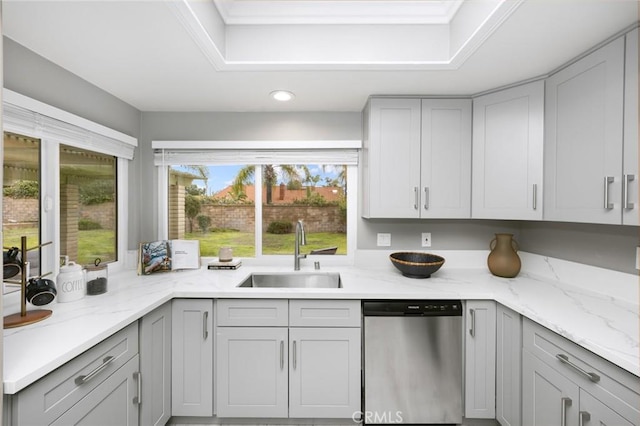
[
  {"x": 426, "y": 198},
  {"x": 415, "y": 196},
  {"x": 583, "y": 417},
  {"x": 625, "y": 191},
  {"x": 205, "y": 325},
  {"x": 137, "y": 400},
  {"x": 472, "y": 329},
  {"x": 565, "y": 360},
  {"x": 607, "y": 181},
  {"x": 565, "y": 402},
  {"x": 80, "y": 380},
  {"x": 535, "y": 196},
  {"x": 295, "y": 360},
  {"x": 281, "y": 354}
]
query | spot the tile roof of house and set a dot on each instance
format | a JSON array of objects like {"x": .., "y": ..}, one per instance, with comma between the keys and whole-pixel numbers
[{"x": 282, "y": 195}]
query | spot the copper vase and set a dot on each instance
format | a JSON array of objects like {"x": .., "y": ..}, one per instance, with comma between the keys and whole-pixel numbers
[{"x": 503, "y": 261}]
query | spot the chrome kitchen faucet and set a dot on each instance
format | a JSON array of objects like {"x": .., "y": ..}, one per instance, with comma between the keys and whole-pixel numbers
[{"x": 301, "y": 240}]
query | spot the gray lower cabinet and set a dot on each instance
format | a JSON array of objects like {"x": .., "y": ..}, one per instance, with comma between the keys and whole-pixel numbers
[
  {"x": 192, "y": 357},
  {"x": 284, "y": 363},
  {"x": 113, "y": 403},
  {"x": 155, "y": 366},
  {"x": 102, "y": 383},
  {"x": 565, "y": 384},
  {"x": 508, "y": 366},
  {"x": 480, "y": 359},
  {"x": 252, "y": 365}
]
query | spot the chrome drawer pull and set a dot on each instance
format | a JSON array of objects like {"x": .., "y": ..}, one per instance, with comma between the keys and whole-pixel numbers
[
  {"x": 607, "y": 181},
  {"x": 416, "y": 195},
  {"x": 584, "y": 418},
  {"x": 625, "y": 191},
  {"x": 426, "y": 198},
  {"x": 281, "y": 354},
  {"x": 566, "y": 402},
  {"x": 205, "y": 327},
  {"x": 472, "y": 330},
  {"x": 535, "y": 196},
  {"x": 85, "y": 378},
  {"x": 137, "y": 400},
  {"x": 565, "y": 360},
  {"x": 295, "y": 361}
]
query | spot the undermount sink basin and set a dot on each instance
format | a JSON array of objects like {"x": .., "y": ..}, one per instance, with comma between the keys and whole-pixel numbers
[{"x": 293, "y": 280}]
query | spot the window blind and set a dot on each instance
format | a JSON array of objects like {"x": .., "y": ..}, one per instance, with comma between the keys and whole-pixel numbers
[{"x": 255, "y": 152}]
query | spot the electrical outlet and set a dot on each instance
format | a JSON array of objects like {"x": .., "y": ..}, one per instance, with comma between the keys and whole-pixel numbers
[
  {"x": 426, "y": 239},
  {"x": 384, "y": 240},
  {"x": 638, "y": 258}
]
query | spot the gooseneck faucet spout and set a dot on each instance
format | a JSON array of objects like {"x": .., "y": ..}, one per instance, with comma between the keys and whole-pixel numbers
[{"x": 301, "y": 240}]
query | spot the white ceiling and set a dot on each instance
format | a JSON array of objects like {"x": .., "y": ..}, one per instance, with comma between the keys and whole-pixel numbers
[{"x": 228, "y": 55}]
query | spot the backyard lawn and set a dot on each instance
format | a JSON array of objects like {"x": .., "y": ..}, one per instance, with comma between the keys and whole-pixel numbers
[{"x": 100, "y": 243}]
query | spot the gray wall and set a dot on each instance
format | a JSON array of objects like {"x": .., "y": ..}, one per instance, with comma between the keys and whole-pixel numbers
[
  {"x": 27, "y": 73},
  {"x": 32, "y": 75}
]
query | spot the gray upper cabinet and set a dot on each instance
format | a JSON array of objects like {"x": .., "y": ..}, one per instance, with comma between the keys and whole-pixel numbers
[
  {"x": 508, "y": 139},
  {"x": 391, "y": 162},
  {"x": 630, "y": 209},
  {"x": 583, "y": 132},
  {"x": 417, "y": 158}
]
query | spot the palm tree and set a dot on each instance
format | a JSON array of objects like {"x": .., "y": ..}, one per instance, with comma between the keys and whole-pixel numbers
[{"x": 269, "y": 175}]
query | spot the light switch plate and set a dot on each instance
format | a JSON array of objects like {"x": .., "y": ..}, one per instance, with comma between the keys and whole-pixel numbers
[
  {"x": 384, "y": 240},
  {"x": 638, "y": 258},
  {"x": 426, "y": 239}
]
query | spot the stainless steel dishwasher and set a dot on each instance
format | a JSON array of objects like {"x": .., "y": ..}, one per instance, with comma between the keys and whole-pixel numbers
[{"x": 412, "y": 362}]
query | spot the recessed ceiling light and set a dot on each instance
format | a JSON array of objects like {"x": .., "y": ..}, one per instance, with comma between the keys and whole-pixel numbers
[{"x": 282, "y": 95}]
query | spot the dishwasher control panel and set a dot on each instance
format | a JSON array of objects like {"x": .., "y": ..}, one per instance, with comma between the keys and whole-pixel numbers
[{"x": 412, "y": 307}]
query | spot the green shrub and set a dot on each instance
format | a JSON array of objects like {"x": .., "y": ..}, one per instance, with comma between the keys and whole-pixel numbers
[
  {"x": 88, "y": 225},
  {"x": 23, "y": 189},
  {"x": 97, "y": 192},
  {"x": 279, "y": 227},
  {"x": 204, "y": 222}
]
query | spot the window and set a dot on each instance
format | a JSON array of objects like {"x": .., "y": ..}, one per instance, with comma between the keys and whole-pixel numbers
[
  {"x": 64, "y": 182},
  {"x": 217, "y": 205},
  {"x": 210, "y": 197}
]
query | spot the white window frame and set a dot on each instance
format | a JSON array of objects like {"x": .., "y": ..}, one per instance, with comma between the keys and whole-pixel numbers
[
  {"x": 247, "y": 152},
  {"x": 53, "y": 127}
]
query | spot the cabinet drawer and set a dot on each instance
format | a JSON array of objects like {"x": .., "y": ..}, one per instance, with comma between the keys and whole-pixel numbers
[
  {"x": 252, "y": 312},
  {"x": 48, "y": 398},
  {"x": 324, "y": 313},
  {"x": 615, "y": 387}
]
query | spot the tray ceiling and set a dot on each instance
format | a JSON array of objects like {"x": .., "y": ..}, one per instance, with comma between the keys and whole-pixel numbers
[{"x": 228, "y": 55}]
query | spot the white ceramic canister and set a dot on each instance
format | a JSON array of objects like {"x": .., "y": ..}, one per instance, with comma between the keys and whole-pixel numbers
[{"x": 70, "y": 283}]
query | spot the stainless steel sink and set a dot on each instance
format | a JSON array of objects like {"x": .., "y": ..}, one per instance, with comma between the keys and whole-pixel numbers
[{"x": 293, "y": 280}]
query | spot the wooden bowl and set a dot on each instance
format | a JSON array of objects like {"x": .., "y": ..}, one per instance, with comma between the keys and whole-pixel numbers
[{"x": 416, "y": 264}]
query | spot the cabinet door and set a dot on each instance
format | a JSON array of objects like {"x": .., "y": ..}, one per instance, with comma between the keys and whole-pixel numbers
[
  {"x": 192, "y": 357},
  {"x": 548, "y": 397},
  {"x": 392, "y": 159},
  {"x": 324, "y": 378},
  {"x": 113, "y": 403},
  {"x": 583, "y": 136},
  {"x": 508, "y": 141},
  {"x": 446, "y": 158},
  {"x": 630, "y": 209},
  {"x": 252, "y": 366},
  {"x": 508, "y": 366},
  {"x": 155, "y": 366},
  {"x": 595, "y": 412},
  {"x": 480, "y": 360}
]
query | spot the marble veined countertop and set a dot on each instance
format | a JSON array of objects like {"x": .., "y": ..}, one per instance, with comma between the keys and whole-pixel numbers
[{"x": 593, "y": 307}]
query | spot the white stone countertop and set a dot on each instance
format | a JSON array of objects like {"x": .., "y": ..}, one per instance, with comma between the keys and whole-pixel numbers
[{"x": 593, "y": 307}]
